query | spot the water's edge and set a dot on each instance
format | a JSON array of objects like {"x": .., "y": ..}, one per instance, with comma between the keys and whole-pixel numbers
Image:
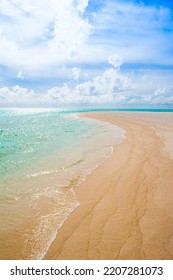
[
  {"x": 80, "y": 183},
  {"x": 38, "y": 182}
]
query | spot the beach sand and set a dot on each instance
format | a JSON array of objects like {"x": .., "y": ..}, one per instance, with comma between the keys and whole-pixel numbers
[{"x": 126, "y": 204}]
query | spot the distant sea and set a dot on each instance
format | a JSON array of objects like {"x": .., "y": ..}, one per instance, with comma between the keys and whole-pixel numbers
[
  {"x": 121, "y": 110},
  {"x": 44, "y": 154}
]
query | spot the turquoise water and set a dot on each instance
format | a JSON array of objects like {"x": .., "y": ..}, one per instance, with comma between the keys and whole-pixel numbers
[
  {"x": 27, "y": 135},
  {"x": 158, "y": 110},
  {"x": 44, "y": 154}
]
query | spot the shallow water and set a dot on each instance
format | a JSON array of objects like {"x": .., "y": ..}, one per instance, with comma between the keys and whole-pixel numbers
[{"x": 44, "y": 154}]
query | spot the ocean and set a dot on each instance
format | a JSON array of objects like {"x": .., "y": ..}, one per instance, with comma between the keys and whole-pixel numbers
[{"x": 44, "y": 155}]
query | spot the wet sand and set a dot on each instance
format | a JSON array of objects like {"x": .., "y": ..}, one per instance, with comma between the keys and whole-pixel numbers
[{"x": 126, "y": 204}]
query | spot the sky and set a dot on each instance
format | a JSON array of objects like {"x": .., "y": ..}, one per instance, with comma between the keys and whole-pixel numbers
[{"x": 86, "y": 53}]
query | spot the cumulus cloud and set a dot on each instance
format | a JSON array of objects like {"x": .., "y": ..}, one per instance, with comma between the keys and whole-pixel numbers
[
  {"x": 81, "y": 5},
  {"x": 17, "y": 96},
  {"x": 70, "y": 29},
  {"x": 110, "y": 86},
  {"x": 115, "y": 60},
  {"x": 76, "y": 73},
  {"x": 42, "y": 31}
]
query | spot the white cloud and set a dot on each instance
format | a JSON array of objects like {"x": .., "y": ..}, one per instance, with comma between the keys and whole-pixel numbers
[
  {"x": 135, "y": 31},
  {"x": 76, "y": 73},
  {"x": 17, "y": 96},
  {"x": 42, "y": 32},
  {"x": 70, "y": 29},
  {"x": 20, "y": 75},
  {"x": 161, "y": 91},
  {"x": 110, "y": 88},
  {"x": 43, "y": 35},
  {"x": 47, "y": 39},
  {"x": 81, "y": 5},
  {"x": 163, "y": 95},
  {"x": 115, "y": 60}
]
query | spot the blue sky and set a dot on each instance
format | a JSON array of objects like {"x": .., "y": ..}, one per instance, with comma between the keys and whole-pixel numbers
[{"x": 86, "y": 53}]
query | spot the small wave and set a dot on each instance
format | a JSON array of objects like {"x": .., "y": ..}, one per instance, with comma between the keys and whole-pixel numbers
[
  {"x": 42, "y": 173},
  {"x": 42, "y": 254},
  {"x": 73, "y": 164}
]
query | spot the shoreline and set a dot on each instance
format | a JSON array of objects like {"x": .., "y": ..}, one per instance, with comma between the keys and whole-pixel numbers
[{"x": 124, "y": 212}]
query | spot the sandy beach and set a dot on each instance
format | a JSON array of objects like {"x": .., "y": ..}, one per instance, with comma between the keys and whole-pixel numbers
[{"x": 126, "y": 204}]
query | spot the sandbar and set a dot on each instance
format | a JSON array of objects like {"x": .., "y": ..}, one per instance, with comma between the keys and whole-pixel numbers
[{"x": 126, "y": 204}]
